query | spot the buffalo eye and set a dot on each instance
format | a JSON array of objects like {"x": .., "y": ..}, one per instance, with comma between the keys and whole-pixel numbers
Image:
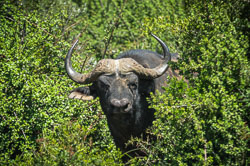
[
  {"x": 104, "y": 86},
  {"x": 132, "y": 86},
  {"x": 104, "y": 83}
]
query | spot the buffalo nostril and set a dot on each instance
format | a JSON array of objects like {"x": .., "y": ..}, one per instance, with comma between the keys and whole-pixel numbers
[{"x": 123, "y": 103}]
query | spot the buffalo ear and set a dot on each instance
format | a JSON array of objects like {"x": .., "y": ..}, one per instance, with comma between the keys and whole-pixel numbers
[{"x": 82, "y": 93}]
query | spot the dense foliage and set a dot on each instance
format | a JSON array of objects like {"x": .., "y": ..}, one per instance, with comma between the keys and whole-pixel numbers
[{"x": 204, "y": 122}]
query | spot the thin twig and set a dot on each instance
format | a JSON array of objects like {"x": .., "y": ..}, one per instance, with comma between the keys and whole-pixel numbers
[
  {"x": 24, "y": 133},
  {"x": 179, "y": 106},
  {"x": 20, "y": 127},
  {"x": 41, "y": 28},
  {"x": 84, "y": 62},
  {"x": 205, "y": 151},
  {"x": 92, "y": 125},
  {"x": 3, "y": 117},
  {"x": 116, "y": 24},
  {"x": 66, "y": 29},
  {"x": 101, "y": 3}
]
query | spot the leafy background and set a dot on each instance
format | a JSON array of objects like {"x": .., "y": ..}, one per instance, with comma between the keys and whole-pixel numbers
[{"x": 204, "y": 122}]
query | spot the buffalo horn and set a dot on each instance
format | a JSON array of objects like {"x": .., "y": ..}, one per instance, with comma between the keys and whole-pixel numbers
[
  {"x": 75, "y": 76},
  {"x": 161, "y": 69}
]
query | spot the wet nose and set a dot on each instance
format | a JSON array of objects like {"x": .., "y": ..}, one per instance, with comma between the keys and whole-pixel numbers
[{"x": 123, "y": 103}]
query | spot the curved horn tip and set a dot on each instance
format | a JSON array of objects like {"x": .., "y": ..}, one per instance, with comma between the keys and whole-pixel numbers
[
  {"x": 152, "y": 34},
  {"x": 156, "y": 37},
  {"x": 164, "y": 47},
  {"x": 75, "y": 76},
  {"x": 75, "y": 43}
]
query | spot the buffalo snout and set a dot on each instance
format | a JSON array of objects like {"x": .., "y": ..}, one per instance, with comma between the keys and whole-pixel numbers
[{"x": 122, "y": 104}]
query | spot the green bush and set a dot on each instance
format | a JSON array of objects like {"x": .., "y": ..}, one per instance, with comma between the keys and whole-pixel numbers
[
  {"x": 33, "y": 83},
  {"x": 77, "y": 143},
  {"x": 204, "y": 122}
]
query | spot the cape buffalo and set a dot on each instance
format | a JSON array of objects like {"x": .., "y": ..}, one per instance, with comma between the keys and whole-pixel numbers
[{"x": 123, "y": 86}]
